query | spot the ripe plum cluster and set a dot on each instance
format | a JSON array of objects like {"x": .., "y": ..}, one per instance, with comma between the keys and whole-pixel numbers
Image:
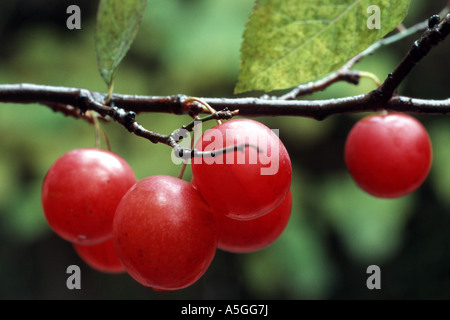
[{"x": 165, "y": 231}]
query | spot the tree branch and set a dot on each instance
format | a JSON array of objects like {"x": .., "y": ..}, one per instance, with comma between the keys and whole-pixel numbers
[
  {"x": 123, "y": 108},
  {"x": 435, "y": 34}
]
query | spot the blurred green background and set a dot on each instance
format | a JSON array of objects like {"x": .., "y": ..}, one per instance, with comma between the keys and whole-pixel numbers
[{"x": 192, "y": 47}]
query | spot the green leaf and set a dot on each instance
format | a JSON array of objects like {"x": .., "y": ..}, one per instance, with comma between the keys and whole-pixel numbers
[
  {"x": 117, "y": 25},
  {"x": 290, "y": 42}
]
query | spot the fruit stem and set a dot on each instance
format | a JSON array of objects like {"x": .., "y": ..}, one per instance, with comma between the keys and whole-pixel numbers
[
  {"x": 183, "y": 168},
  {"x": 206, "y": 106},
  {"x": 371, "y": 76},
  {"x": 99, "y": 130}
]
